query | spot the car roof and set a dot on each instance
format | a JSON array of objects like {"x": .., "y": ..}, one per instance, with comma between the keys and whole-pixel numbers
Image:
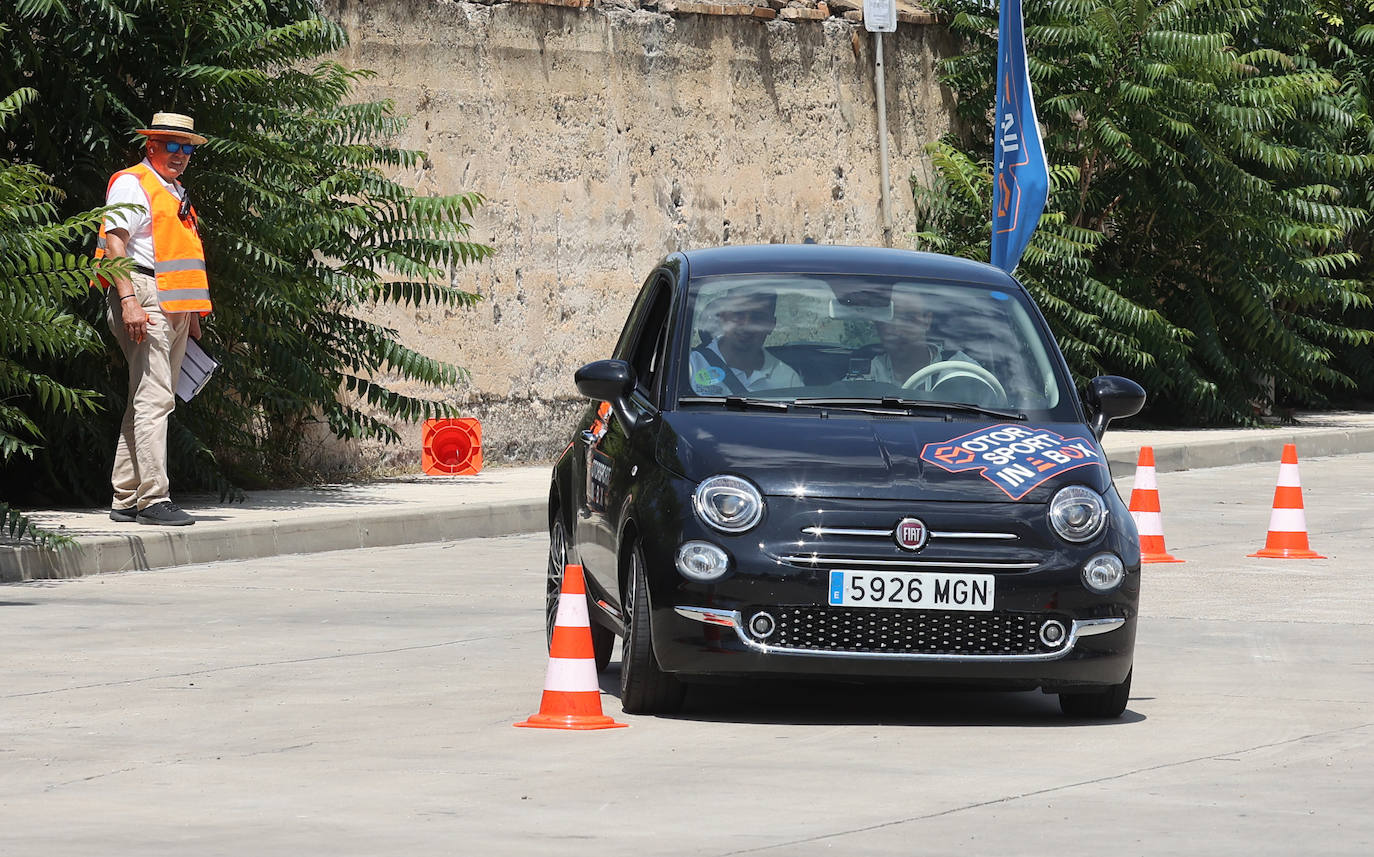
[{"x": 835, "y": 259}]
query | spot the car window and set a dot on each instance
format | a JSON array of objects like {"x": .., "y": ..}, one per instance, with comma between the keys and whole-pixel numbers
[
  {"x": 634, "y": 321},
  {"x": 646, "y": 355},
  {"x": 785, "y": 336}
]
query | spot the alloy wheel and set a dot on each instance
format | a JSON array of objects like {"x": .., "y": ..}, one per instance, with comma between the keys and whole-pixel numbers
[{"x": 558, "y": 558}]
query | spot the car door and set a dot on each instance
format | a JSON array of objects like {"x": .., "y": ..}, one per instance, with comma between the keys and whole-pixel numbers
[{"x": 615, "y": 452}]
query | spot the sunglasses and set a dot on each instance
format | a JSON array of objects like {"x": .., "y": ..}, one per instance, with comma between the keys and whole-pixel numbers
[{"x": 173, "y": 148}]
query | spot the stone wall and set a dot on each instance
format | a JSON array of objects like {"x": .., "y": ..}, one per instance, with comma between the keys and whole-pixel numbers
[{"x": 605, "y": 135}]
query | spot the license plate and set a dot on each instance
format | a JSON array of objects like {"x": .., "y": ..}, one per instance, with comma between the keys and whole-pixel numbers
[{"x": 912, "y": 590}]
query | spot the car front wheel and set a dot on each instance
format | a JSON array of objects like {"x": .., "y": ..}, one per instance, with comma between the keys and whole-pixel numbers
[
  {"x": 603, "y": 638},
  {"x": 553, "y": 583},
  {"x": 1105, "y": 704},
  {"x": 644, "y": 687}
]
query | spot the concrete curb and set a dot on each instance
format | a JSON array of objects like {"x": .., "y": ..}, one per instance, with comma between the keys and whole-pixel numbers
[
  {"x": 1251, "y": 448},
  {"x": 153, "y": 547},
  {"x": 511, "y": 502}
]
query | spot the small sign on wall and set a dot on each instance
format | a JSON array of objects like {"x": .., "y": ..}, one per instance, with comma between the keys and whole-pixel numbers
[{"x": 880, "y": 16}]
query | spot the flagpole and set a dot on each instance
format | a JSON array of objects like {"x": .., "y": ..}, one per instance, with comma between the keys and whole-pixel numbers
[{"x": 881, "y": 92}]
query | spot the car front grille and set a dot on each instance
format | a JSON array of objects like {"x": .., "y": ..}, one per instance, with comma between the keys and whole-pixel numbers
[{"x": 909, "y": 631}]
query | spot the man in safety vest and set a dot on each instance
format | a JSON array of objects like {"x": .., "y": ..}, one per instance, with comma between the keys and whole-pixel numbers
[{"x": 153, "y": 310}]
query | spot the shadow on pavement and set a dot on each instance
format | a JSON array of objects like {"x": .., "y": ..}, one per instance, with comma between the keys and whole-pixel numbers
[{"x": 830, "y": 703}]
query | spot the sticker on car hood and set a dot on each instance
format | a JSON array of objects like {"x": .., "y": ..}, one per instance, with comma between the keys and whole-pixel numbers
[{"x": 1015, "y": 458}]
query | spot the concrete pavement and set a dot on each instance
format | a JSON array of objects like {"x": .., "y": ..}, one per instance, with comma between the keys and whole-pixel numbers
[
  {"x": 508, "y": 500},
  {"x": 362, "y": 703}
]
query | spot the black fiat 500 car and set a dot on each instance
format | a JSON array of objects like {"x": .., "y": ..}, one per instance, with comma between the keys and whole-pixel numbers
[{"x": 849, "y": 463}]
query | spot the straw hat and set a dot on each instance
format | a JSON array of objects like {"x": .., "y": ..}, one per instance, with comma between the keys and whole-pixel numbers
[{"x": 173, "y": 125}]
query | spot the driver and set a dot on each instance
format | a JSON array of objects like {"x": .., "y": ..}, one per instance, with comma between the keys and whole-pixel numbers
[
  {"x": 735, "y": 362},
  {"x": 906, "y": 344}
]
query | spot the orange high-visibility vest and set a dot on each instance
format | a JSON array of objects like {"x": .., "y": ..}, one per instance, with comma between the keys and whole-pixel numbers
[{"x": 178, "y": 255}]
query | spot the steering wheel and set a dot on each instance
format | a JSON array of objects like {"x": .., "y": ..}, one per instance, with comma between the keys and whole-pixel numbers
[{"x": 957, "y": 368}]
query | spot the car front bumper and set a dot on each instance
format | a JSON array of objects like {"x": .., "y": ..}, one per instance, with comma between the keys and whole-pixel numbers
[
  {"x": 707, "y": 641},
  {"x": 783, "y": 570}
]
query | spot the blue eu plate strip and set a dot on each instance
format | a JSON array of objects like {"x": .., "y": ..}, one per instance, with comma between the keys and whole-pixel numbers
[{"x": 837, "y": 587}]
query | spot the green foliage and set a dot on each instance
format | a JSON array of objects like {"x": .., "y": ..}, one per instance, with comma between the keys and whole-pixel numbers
[
  {"x": 1201, "y": 230},
  {"x": 306, "y": 228},
  {"x": 38, "y": 279},
  {"x": 1346, "y": 46}
]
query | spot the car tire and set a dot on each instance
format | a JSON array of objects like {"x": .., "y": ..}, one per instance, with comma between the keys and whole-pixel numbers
[
  {"x": 1107, "y": 704},
  {"x": 553, "y": 583},
  {"x": 603, "y": 638},
  {"x": 644, "y": 687}
]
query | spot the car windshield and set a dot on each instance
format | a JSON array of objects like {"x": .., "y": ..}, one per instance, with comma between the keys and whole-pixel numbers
[{"x": 866, "y": 341}]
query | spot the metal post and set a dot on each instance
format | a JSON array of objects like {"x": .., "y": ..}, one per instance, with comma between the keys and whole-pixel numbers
[{"x": 881, "y": 91}]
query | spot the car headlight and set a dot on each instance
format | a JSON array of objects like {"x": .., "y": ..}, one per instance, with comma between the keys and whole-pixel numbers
[
  {"x": 1104, "y": 572},
  {"x": 1077, "y": 513},
  {"x": 728, "y": 503},
  {"x": 702, "y": 561}
]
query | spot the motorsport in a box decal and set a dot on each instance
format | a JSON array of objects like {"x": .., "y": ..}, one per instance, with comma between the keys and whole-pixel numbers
[{"x": 1014, "y": 458}]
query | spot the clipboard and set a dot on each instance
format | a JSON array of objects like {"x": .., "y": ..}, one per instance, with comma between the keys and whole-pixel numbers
[{"x": 196, "y": 369}]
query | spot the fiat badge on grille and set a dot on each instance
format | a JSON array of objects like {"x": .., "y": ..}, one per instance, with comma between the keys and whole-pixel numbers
[{"x": 911, "y": 534}]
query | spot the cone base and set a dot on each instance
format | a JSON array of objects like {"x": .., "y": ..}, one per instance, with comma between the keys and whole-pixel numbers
[
  {"x": 1159, "y": 557},
  {"x": 1287, "y": 553},
  {"x": 571, "y": 721}
]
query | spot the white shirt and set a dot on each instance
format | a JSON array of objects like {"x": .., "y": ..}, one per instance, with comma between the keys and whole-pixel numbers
[
  {"x": 139, "y": 224},
  {"x": 708, "y": 380},
  {"x": 882, "y": 370}
]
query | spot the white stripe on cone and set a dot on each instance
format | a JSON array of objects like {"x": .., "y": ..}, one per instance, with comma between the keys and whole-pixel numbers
[
  {"x": 1288, "y": 476},
  {"x": 1288, "y": 521},
  {"x": 572, "y": 675},
  {"x": 1149, "y": 523},
  {"x": 572, "y": 611},
  {"x": 1145, "y": 479}
]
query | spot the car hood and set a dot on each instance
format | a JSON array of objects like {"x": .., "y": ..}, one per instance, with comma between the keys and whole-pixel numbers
[{"x": 858, "y": 456}]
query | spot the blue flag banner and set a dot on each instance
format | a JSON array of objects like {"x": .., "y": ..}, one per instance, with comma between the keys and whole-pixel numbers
[{"x": 1020, "y": 181}]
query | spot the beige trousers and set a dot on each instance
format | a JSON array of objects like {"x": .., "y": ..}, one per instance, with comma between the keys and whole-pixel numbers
[{"x": 140, "y": 467}]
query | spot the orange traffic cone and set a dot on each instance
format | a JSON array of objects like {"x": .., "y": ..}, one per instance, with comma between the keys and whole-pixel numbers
[
  {"x": 451, "y": 446},
  {"x": 572, "y": 696},
  {"x": 1287, "y": 522},
  {"x": 1145, "y": 510}
]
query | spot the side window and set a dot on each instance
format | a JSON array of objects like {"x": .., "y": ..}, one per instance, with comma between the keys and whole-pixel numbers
[
  {"x": 634, "y": 321},
  {"x": 647, "y": 356}
]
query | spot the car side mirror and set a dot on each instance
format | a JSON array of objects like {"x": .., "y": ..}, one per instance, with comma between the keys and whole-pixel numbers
[
  {"x": 605, "y": 380},
  {"x": 1112, "y": 397},
  {"x": 609, "y": 381}
]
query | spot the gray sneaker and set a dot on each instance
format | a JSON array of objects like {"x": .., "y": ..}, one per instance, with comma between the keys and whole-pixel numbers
[
  {"x": 165, "y": 514},
  {"x": 124, "y": 516}
]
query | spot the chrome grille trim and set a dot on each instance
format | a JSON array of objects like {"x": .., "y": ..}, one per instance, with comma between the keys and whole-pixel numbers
[
  {"x": 728, "y": 618},
  {"x": 823, "y": 560},
  {"x": 887, "y": 534},
  {"x": 1093, "y": 627},
  {"x": 733, "y": 619}
]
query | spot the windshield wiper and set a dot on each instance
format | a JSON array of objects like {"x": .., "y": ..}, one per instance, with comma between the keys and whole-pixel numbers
[
  {"x": 739, "y": 403},
  {"x": 892, "y": 403}
]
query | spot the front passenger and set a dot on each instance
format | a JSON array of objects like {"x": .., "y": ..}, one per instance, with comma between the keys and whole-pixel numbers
[{"x": 735, "y": 361}]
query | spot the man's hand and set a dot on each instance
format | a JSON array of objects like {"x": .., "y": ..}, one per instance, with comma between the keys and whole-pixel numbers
[
  {"x": 136, "y": 319},
  {"x": 195, "y": 325}
]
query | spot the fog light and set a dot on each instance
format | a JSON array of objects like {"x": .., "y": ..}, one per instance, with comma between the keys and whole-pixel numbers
[
  {"x": 762, "y": 625},
  {"x": 1052, "y": 633},
  {"x": 702, "y": 561},
  {"x": 1104, "y": 572}
]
